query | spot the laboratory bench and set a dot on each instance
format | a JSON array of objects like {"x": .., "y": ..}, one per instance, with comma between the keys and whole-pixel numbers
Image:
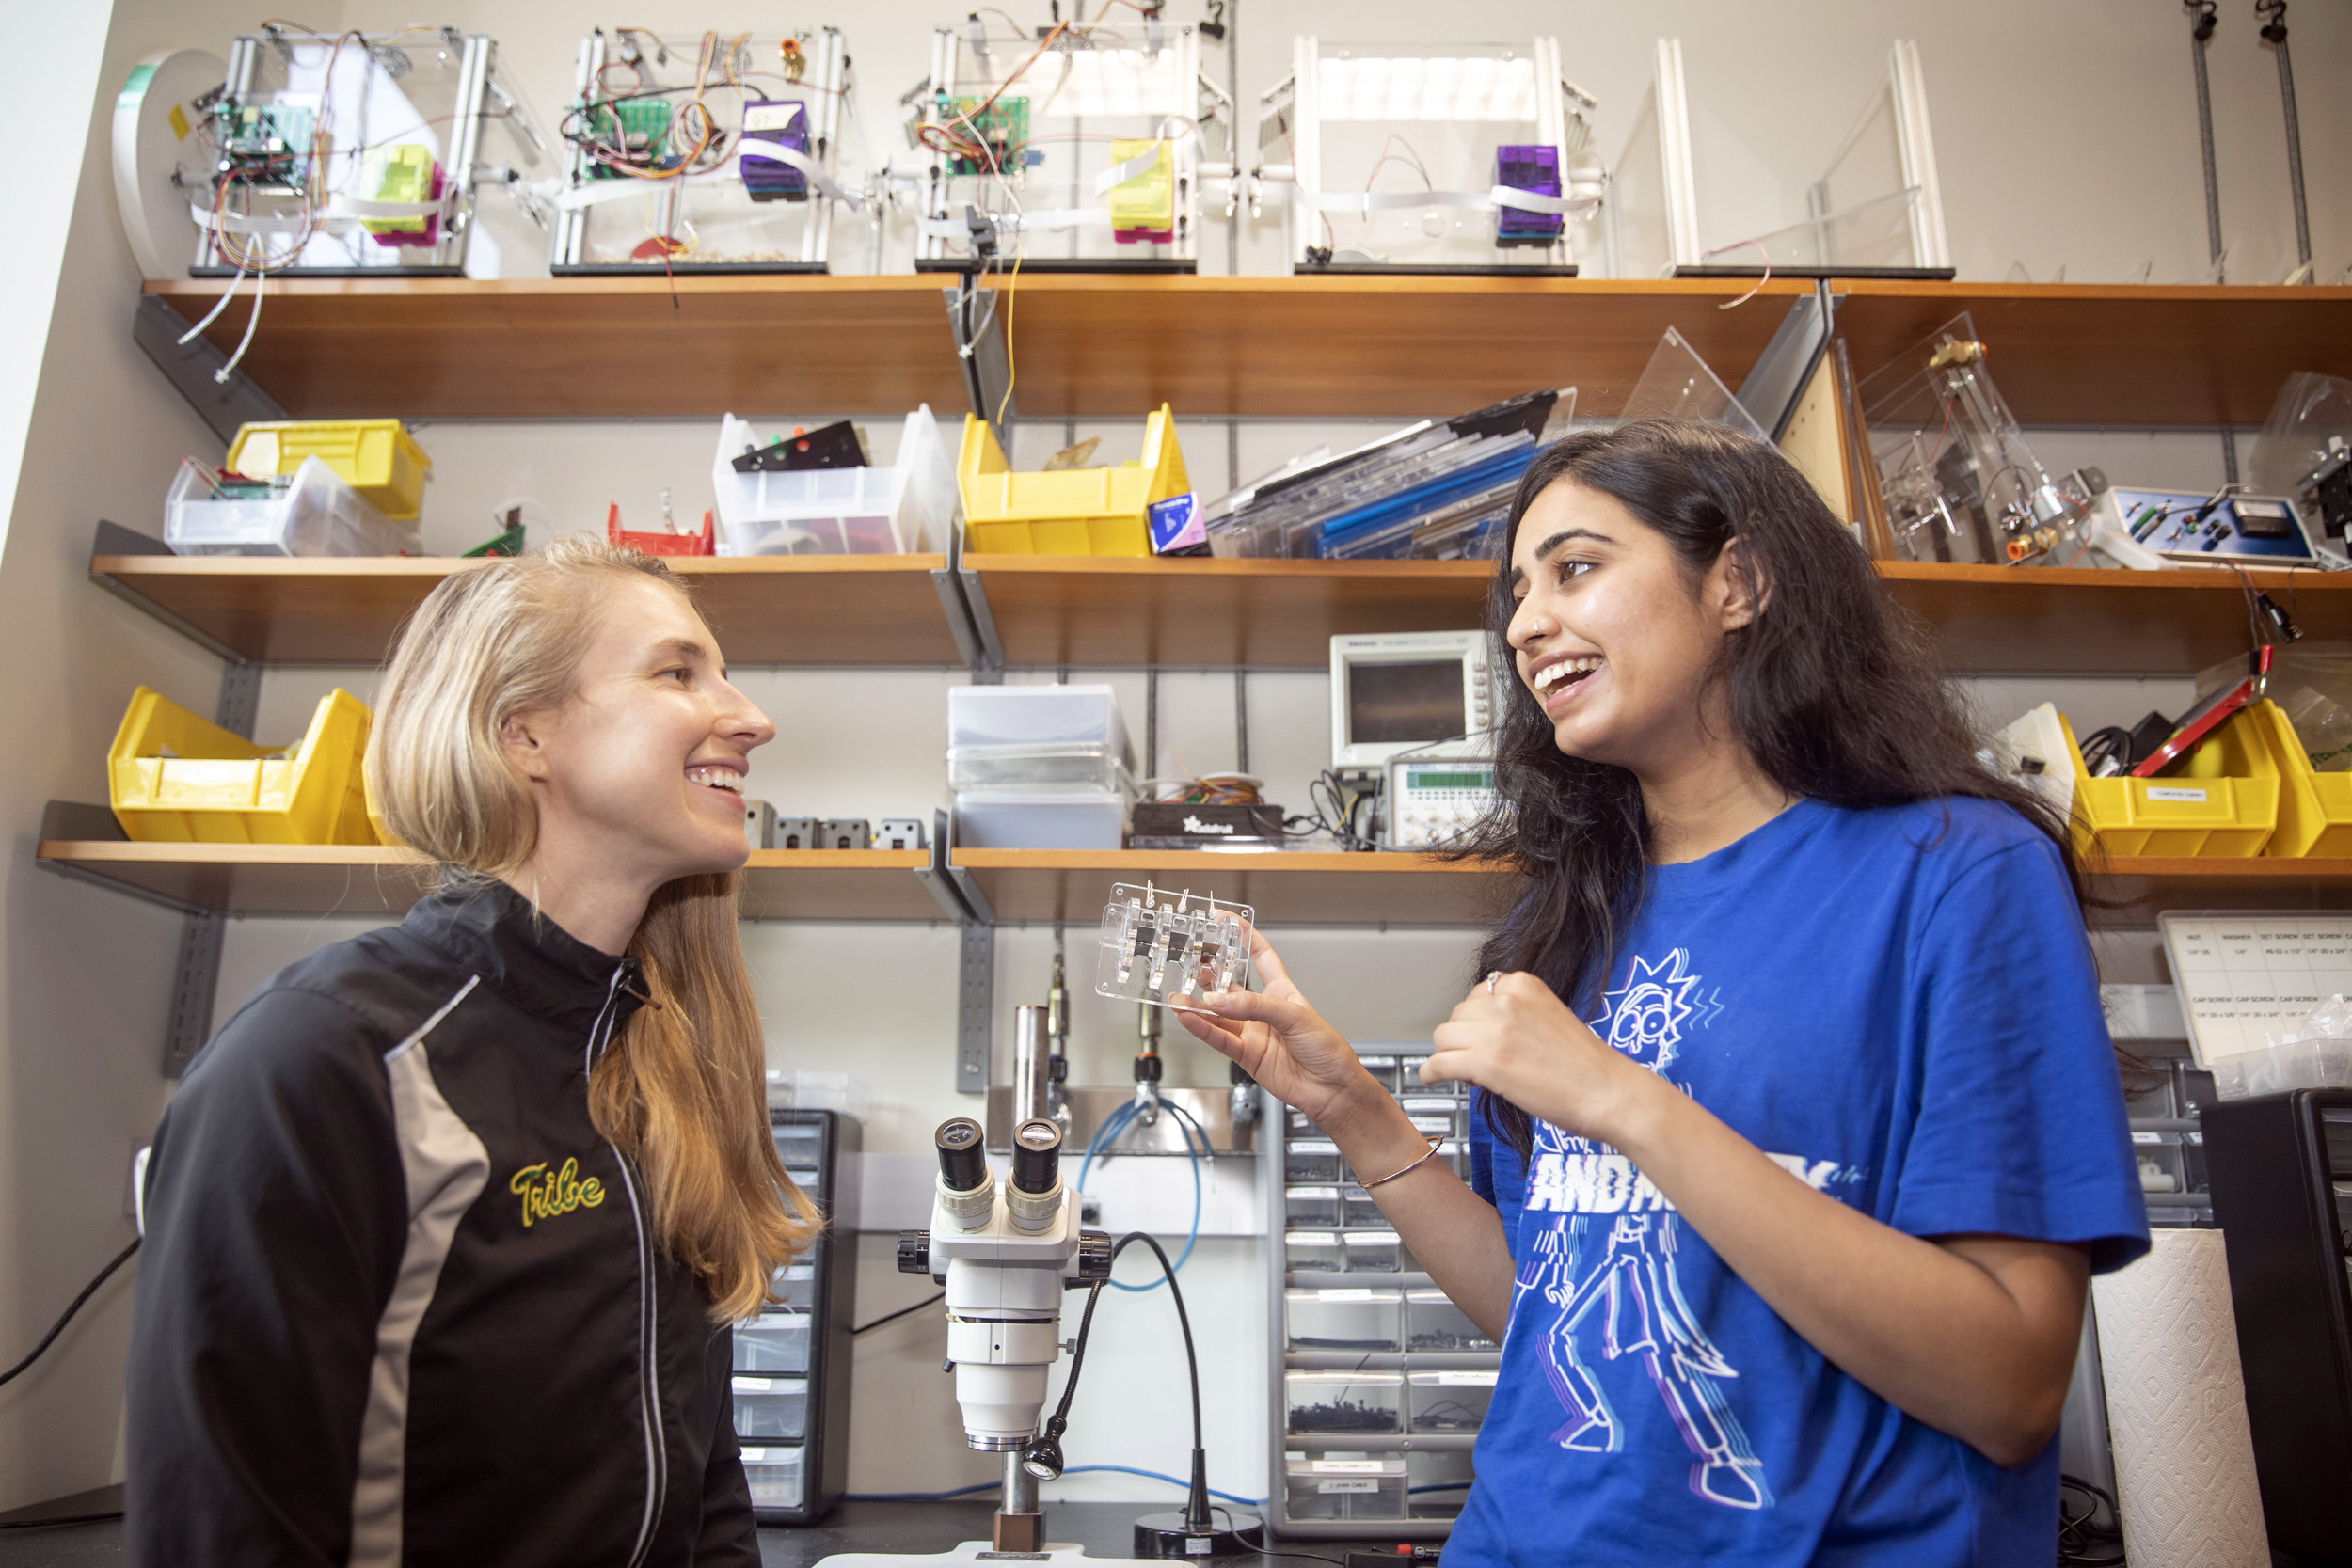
[{"x": 1105, "y": 1530}]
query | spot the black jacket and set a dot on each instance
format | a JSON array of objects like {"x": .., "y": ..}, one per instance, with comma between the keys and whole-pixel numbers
[{"x": 399, "y": 1303}]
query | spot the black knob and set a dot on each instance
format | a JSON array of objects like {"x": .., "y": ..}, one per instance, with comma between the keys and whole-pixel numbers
[
  {"x": 962, "y": 1154},
  {"x": 1147, "y": 1067},
  {"x": 915, "y": 1252},
  {"x": 1036, "y": 1155},
  {"x": 1093, "y": 1260}
]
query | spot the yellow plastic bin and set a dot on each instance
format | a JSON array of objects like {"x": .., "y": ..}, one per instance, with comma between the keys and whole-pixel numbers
[
  {"x": 176, "y": 779},
  {"x": 2315, "y": 808},
  {"x": 1073, "y": 512},
  {"x": 378, "y": 458},
  {"x": 2222, "y": 802}
]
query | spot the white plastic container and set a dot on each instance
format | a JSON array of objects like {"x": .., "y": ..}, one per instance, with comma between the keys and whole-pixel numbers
[
  {"x": 1343, "y": 1319},
  {"x": 1312, "y": 1252},
  {"x": 1036, "y": 716},
  {"x": 910, "y": 505},
  {"x": 796, "y": 1285},
  {"x": 1307, "y": 1208},
  {"x": 1451, "y": 1401},
  {"x": 1438, "y": 1481},
  {"x": 1059, "y": 766},
  {"x": 799, "y": 1145},
  {"x": 317, "y": 513},
  {"x": 1313, "y": 1159},
  {"x": 1433, "y": 1322},
  {"x": 771, "y": 1407},
  {"x": 772, "y": 1342},
  {"x": 1373, "y": 1251},
  {"x": 1041, "y": 820},
  {"x": 1347, "y": 1402},
  {"x": 774, "y": 1475},
  {"x": 1383, "y": 1070},
  {"x": 1346, "y": 1488},
  {"x": 1359, "y": 1211}
]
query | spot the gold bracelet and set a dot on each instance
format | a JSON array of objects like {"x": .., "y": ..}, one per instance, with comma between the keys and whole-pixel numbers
[{"x": 1436, "y": 1140}]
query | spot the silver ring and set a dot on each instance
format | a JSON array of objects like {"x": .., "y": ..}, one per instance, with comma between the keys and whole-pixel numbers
[{"x": 1492, "y": 975}]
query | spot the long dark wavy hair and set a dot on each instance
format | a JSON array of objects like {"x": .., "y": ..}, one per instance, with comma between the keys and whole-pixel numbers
[{"x": 1831, "y": 687}]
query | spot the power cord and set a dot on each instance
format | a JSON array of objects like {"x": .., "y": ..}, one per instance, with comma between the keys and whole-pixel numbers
[
  {"x": 930, "y": 1300},
  {"x": 59, "y": 1327}
]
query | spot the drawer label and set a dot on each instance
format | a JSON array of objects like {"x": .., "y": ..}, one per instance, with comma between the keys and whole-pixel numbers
[
  {"x": 1366, "y": 1484},
  {"x": 2175, "y": 792}
]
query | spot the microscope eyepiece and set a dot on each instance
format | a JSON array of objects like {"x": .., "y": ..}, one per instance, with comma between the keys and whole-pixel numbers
[
  {"x": 962, "y": 1155},
  {"x": 1036, "y": 1156}
]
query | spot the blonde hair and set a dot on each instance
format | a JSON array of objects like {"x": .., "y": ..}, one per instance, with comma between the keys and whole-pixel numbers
[{"x": 680, "y": 1089}]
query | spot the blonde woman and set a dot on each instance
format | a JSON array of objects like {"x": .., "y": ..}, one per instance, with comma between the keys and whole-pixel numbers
[{"x": 445, "y": 1230}]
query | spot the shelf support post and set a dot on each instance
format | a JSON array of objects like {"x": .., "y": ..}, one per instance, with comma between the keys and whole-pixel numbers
[{"x": 196, "y": 978}]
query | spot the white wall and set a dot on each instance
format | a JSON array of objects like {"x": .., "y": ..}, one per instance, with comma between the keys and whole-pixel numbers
[{"x": 85, "y": 973}]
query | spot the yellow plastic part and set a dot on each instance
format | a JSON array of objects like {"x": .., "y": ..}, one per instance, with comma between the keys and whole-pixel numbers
[
  {"x": 2223, "y": 802},
  {"x": 403, "y": 173},
  {"x": 1146, "y": 200},
  {"x": 176, "y": 779},
  {"x": 1073, "y": 512},
  {"x": 2315, "y": 808},
  {"x": 378, "y": 458}
]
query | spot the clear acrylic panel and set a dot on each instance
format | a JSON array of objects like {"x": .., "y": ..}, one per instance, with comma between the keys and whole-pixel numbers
[
  {"x": 1168, "y": 946},
  {"x": 1678, "y": 385},
  {"x": 1639, "y": 243},
  {"x": 1875, "y": 234}
]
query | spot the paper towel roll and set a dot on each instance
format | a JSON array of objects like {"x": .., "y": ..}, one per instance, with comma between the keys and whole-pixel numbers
[{"x": 2176, "y": 1409}]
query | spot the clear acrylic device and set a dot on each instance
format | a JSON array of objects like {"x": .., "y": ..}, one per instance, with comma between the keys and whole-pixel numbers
[{"x": 1171, "y": 947}]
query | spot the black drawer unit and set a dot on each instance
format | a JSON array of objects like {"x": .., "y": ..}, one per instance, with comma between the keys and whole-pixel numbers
[
  {"x": 2281, "y": 1166},
  {"x": 792, "y": 1361}
]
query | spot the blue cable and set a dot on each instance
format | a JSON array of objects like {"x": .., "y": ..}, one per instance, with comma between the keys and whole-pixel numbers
[{"x": 1073, "y": 1470}]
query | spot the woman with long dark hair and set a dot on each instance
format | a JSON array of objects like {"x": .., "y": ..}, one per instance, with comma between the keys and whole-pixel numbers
[{"x": 1799, "y": 1132}]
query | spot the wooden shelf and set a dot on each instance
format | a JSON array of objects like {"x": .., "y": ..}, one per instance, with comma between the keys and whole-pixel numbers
[
  {"x": 1061, "y": 610},
  {"x": 838, "y": 609},
  {"x": 1118, "y": 346},
  {"x": 2116, "y": 354},
  {"x": 296, "y": 878},
  {"x": 1302, "y": 889},
  {"x": 592, "y": 347}
]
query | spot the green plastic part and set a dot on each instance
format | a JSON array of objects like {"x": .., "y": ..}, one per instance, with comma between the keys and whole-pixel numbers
[{"x": 507, "y": 543}]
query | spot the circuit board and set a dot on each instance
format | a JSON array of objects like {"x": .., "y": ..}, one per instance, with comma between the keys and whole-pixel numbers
[
  {"x": 1003, "y": 128},
  {"x": 640, "y": 124},
  {"x": 264, "y": 144}
]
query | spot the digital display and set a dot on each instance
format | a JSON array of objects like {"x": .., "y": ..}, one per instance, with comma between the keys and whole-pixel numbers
[
  {"x": 1418, "y": 780},
  {"x": 1405, "y": 702}
]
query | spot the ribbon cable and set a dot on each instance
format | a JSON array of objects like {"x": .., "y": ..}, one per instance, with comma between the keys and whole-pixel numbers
[
  {"x": 1477, "y": 201},
  {"x": 597, "y": 193}
]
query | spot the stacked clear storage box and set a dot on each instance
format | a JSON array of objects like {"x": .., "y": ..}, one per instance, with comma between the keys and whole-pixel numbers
[
  {"x": 910, "y": 505},
  {"x": 311, "y": 511},
  {"x": 1039, "y": 767}
]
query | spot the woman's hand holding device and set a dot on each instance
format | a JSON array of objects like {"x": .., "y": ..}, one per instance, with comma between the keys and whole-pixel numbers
[{"x": 1514, "y": 1037}]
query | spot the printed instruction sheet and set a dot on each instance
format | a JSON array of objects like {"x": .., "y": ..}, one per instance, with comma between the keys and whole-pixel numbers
[{"x": 2246, "y": 979}]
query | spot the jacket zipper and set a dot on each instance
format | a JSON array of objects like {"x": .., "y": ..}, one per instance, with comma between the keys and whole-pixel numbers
[{"x": 648, "y": 1369}]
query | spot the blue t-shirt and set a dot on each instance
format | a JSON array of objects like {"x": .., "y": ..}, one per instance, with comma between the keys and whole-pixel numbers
[{"x": 1899, "y": 1007}]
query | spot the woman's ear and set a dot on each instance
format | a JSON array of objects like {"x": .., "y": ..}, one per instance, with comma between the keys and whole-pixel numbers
[
  {"x": 1737, "y": 588},
  {"x": 526, "y": 750}
]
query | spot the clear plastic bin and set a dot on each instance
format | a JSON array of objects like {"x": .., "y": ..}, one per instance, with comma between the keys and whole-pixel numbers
[
  {"x": 1315, "y": 1160},
  {"x": 1312, "y": 1252},
  {"x": 1373, "y": 1251},
  {"x": 1358, "y": 1212},
  {"x": 2313, "y": 1064},
  {"x": 1433, "y": 1322},
  {"x": 796, "y": 1285},
  {"x": 317, "y": 513},
  {"x": 1070, "y": 819},
  {"x": 1348, "y": 1402},
  {"x": 910, "y": 505},
  {"x": 772, "y": 1342},
  {"x": 1345, "y": 1319},
  {"x": 1347, "y": 1488},
  {"x": 1383, "y": 1070},
  {"x": 1408, "y": 1074},
  {"x": 1451, "y": 1401},
  {"x": 1297, "y": 1126},
  {"x": 1036, "y": 716},
  {"x": 798, "y": 1143},
  {"x": 1052, "y": 765},
  {"x": 1307, "y": 1207},
  {"x": 1438, "y": 1481},
  {"x": 771, "y": 1407},
  {"x": 774, "y": 1475}
]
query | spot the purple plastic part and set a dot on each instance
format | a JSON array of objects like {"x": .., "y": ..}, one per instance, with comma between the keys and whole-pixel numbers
[{"x": 1535, "y": 169}]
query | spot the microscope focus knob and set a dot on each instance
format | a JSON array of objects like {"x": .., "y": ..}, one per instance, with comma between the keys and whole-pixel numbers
[
  {"x": 915, "y": 1252},
  {"x": 1093, "y": 1260}
]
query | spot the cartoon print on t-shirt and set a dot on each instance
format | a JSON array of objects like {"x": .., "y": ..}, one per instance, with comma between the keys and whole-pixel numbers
[{"x": 1622, "y": 1288}]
